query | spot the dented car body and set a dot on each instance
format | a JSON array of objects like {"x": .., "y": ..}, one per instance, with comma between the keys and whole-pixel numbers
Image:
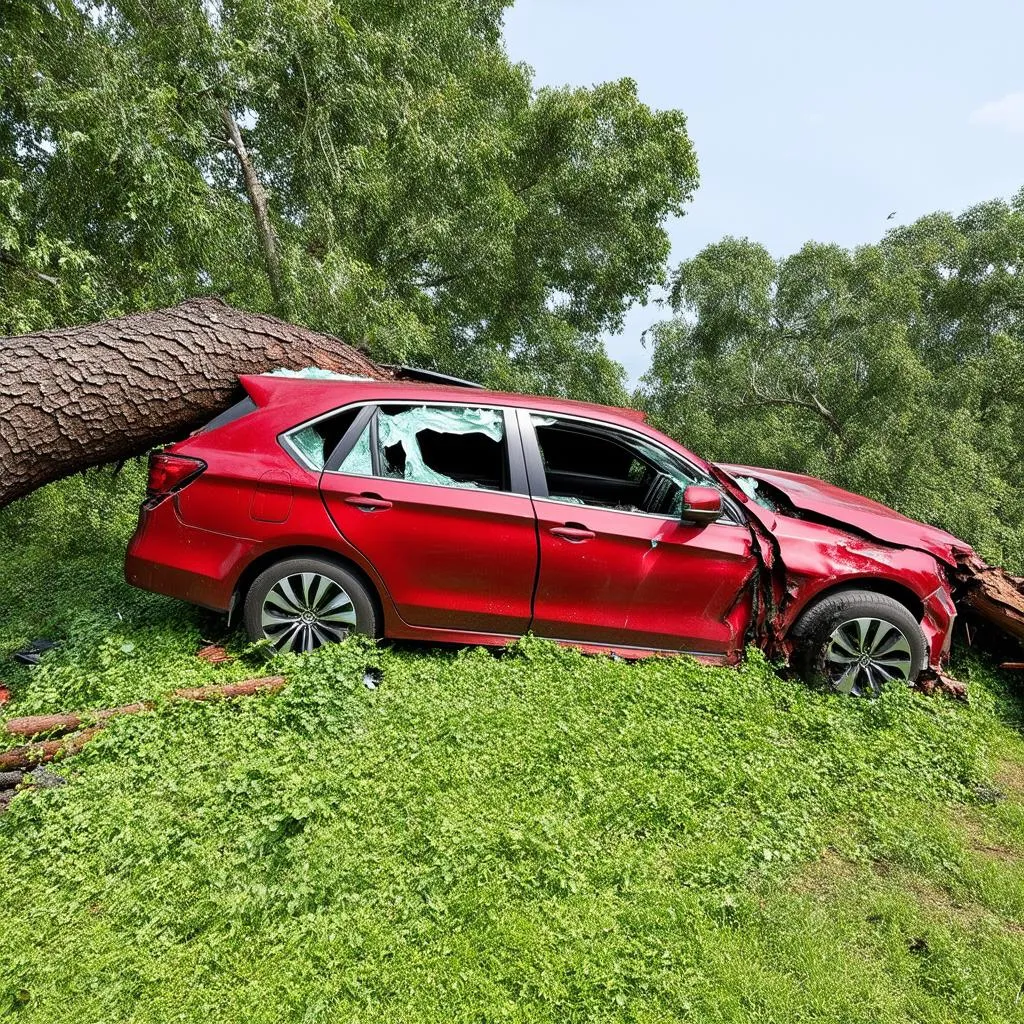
[{"x": 440, "y": 513}]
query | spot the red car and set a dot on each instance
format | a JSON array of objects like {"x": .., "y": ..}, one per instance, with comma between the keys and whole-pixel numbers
[{"x": 316, "y": 508}]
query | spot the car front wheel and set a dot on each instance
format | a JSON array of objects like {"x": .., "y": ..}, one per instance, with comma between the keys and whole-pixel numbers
[
  {"x": 856, "y": 642},
  {"x": 302, "y": 603}
]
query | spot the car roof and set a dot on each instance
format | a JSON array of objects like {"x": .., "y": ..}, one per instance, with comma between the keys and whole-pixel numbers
[{"x": 324, "y": 393}]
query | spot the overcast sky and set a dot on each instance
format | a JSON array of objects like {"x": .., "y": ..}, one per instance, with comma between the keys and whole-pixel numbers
[{"x": 811, "y": 120}]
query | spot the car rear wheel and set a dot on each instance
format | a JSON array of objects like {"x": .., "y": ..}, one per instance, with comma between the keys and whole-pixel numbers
[
  {"x": 302, "y": 603},
  {"x": 856, "y": 642}
]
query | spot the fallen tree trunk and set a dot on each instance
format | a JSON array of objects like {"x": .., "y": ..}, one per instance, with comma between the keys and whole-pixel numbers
[
  {"x": 85, "y": 396},
  {"x": 992, "y": 595}
]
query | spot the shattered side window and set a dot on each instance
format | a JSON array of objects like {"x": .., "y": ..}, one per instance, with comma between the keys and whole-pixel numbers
[
  {"x": 359, "y": 461},
  {"x": 586, "y": 465},
  {"x": 448, "y": 446},
  {"x": 313, "y": 443}
]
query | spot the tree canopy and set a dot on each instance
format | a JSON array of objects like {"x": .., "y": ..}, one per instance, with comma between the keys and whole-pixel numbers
[
  {"x": 895, "y": 370},
  {"x": 382, "y": 171}
]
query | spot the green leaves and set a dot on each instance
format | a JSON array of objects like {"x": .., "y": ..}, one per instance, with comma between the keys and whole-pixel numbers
[
  {"x": 893, "y": 370},
  {"x": 425, "y": 199}
]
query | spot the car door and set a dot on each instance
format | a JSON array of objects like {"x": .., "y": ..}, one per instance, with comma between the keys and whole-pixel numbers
[
  {"x": 612, "y": 570},
  {"x": 434, "y": 495}
]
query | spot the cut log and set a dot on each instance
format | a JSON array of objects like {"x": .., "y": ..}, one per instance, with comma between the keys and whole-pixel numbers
[
  {"x": 85, "y": 396},
  {"x": 37, "y": 725},
  {"x": 268, "y": 684},
  {"x": 32, "y": 754}
]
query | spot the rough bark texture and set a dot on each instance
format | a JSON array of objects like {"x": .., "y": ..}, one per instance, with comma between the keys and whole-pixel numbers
[
  {"x": 993, "y": 595},
  {"x": 36, "y": 725},
  {"x": 85, "y": 396},
  {"x": 33, "y": 754}
]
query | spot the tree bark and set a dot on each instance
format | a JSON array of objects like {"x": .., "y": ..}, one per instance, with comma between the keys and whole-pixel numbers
[{"x": 84, "y": 396}]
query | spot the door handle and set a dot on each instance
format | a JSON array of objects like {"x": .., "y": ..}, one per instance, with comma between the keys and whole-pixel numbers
[
  {"x": 574, "y": 534},
  {"x": 368, "y": 502}
]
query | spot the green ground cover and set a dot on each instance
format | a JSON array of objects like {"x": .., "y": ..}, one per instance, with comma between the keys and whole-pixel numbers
[{"x": 541, "y": 836}]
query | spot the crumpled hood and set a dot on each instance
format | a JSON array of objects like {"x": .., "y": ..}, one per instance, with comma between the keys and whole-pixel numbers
[{"x": 861, "y": 515}]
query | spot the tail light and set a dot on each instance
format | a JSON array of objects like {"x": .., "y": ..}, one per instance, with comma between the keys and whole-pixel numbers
[{"x": 169, "y": 473}]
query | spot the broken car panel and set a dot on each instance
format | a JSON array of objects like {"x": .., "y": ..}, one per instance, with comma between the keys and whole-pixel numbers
[{"x": 430, "y": 512}]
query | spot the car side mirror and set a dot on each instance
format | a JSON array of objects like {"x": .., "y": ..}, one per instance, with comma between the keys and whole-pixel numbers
[{"x": 701, "y": 505}]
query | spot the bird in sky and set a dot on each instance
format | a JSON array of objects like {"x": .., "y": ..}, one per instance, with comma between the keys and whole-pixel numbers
[{"x": 891, "y": 215}]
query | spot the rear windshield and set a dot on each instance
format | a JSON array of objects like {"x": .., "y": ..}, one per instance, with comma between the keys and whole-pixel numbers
[{"x": 236, "y": 412}]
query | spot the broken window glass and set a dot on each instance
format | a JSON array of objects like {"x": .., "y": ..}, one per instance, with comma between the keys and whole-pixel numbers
[
  {"x": 313, "y": 443},
  {"x": 448, "y": 446},
  {"x": 359, "y": 461}
]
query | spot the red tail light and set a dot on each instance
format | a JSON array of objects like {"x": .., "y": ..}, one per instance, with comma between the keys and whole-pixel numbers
[{"x": 169, "y": 473}]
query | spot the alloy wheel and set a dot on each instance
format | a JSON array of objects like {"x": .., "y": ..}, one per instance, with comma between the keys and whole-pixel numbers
[
  {"x": 862, "y": 655},
  {"x": 305, "y": 610}
]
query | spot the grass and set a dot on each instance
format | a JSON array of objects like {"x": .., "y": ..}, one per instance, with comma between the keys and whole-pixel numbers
[{"x": 541, "y": 836}]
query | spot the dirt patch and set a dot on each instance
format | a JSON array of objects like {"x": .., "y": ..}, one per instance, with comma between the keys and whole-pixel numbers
[
  {"x": 833, "y": 879},
  {"x": 1009, "y": 777}
]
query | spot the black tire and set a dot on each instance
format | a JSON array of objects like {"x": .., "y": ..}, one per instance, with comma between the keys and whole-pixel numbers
[
  {"x": 816, "y": 645},
  {"x": 339, "y": 604}
]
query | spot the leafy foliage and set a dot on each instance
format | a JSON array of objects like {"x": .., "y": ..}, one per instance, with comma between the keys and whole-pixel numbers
[
  {"x": 536, "y": 837},
  {"x": 895, "y": 370},
  {"x": 425, "y": 199}
]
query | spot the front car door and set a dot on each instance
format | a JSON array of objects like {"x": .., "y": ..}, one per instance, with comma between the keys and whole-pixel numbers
[
  {"x": 434, "y": 495},
  {"x": 617, "y": 565}
]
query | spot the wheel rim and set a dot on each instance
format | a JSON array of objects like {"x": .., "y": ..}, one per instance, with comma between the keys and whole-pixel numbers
[
  {"x": 305, "y": 610},
  {"x": 862, "y": 655}
]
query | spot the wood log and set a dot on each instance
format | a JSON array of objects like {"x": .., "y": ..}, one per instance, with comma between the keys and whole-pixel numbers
[
  {"x": 268, "y": 684},
  {"x": 992, "y": 594},
  {"x": 37, "y": 725},
  {"x": 32, "y": 754},
  {"x": 103, "y": 393}
]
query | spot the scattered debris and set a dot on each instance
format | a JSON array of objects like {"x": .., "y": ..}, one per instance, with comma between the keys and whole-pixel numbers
[
  {"x": 931, "y": 682},
  {"x": 215, "y": 655},
  {"x": 372, "y": 678},
  {"x": 16, "y": 762},
  {"x": 1012, "y": 666},
  {"x": 5, "y": 694},
  {"x": 31, "y": 654}
]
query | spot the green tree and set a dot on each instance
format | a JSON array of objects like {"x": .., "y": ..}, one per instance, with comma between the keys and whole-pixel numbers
[
  {"x": 896, "y": 370},
  {"x": 381, "y": 171}
]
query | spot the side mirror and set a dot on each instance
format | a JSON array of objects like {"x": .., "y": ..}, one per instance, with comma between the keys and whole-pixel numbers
[{"x": 701, "y": 505}]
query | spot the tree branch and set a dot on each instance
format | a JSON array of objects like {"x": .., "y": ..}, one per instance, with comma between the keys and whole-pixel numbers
[
  {"x": 811, "y": 403},
  {"x": 11, "y": 261},
  {"x": 258, "y": 201}
]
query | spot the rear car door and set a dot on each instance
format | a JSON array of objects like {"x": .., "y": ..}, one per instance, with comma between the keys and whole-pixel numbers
[
  {"x": 434, "y": 495},
  {"x": 617, "y": 565}
]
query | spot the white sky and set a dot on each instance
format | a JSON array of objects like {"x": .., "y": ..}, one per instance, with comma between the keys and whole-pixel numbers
[{"x": 811, "y": 120}]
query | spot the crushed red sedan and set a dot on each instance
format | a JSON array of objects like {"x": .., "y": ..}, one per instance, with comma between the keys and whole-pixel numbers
[{"x": 316, "y": 508}]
